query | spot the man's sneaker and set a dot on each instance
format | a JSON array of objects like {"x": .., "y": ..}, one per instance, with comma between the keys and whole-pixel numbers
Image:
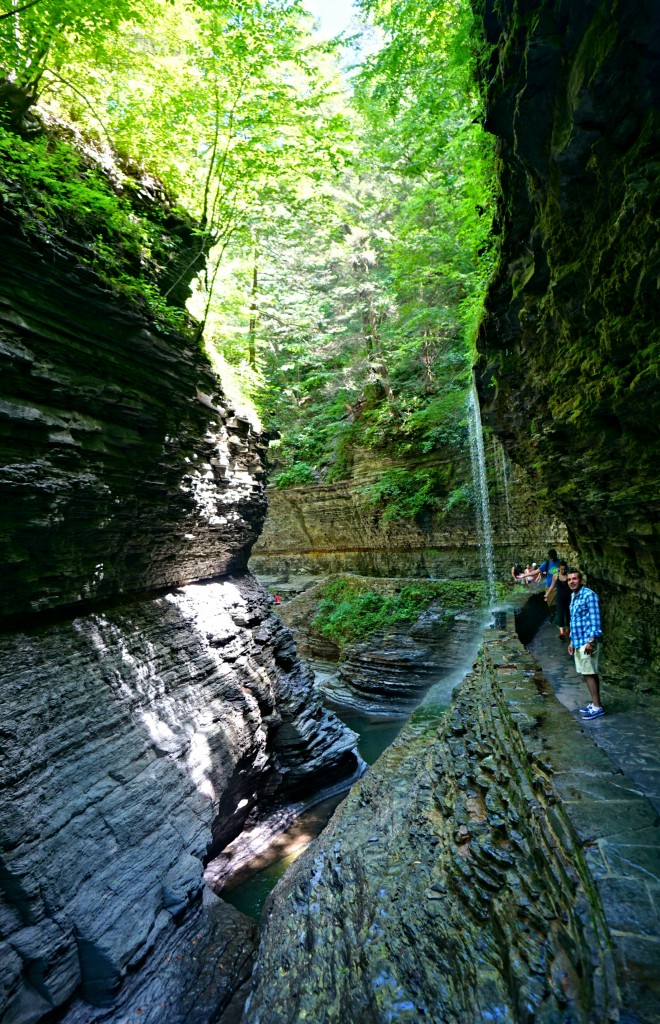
[
  {"x": 593, "y": 712},
  {"x": 586, "y": 709}
]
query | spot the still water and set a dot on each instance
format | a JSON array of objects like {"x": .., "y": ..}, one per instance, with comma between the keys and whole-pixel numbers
[
  {"x": 375, "y": 732},
  {"x": 249, "y": 896}
]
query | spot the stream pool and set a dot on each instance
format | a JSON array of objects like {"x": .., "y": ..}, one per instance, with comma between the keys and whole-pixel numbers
[{"x": 376, "y": 734}]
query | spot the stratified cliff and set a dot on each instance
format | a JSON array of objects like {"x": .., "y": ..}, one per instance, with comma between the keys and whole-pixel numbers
[
  {"x": 123, "y": 470},
  {"x": 569, "y": 355},
  {"x": 328, "y": 528},
  {"x": 143, "y": 716}
]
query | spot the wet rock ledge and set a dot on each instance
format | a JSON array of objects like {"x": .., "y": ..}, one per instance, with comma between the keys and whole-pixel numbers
[{"x": 475, "y": 873}]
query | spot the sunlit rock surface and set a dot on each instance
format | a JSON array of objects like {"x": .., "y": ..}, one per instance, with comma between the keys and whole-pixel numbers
[
  {"x": 135, "y": 742},
  {"x": 141, "y": 721},
  {"x": 569, "y": 365}
]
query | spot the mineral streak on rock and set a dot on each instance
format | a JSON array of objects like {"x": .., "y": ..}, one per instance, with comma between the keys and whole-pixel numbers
[
  {"x": 451, "y": 885},
  {"x": 568, "y": 350}
]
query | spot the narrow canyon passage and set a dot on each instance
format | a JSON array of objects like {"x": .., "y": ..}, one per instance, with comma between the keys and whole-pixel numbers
[
  {"x": 245, "y": 872},
  {"x": 305, "y": 346}
]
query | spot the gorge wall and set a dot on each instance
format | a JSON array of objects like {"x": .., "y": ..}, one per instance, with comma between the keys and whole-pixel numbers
[
  {"x": 142, "y": 722},
  {"x": 328, "y": 528},
  {"x": 568, "y": 366}
]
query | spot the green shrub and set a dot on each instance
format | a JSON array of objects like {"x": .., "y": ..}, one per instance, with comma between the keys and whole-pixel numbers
[
  {"x": 406, "y": 493},
  {"x": 58, "y": 193},
  {"x": 461, "y": 497},
  {"x": 349, "y": 611},
  {"x": 297, "y": 476}
]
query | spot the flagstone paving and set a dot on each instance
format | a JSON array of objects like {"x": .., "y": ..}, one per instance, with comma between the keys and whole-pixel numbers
[
  {"x": 629, "y": 732},
  {"x": 615, "y": 815}
]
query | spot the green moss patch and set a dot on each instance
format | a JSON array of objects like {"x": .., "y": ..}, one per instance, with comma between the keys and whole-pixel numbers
[{"x": 353, "y": 608}]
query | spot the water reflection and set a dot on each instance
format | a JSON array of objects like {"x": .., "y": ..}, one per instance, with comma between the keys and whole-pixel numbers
[
  {"x": 376, "y": 733},
  {"x": 261, "y": 875}
]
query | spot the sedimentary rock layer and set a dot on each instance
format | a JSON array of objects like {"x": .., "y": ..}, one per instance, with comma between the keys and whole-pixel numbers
[
  {"x": 333, "y": 528},
  {"x": 389, "y": 672},
  {"x": 123, "y": 469},
  {"x": 452, "y": 885},
  {"x": 569, "y": 357},
  {"x": 140, "y": 723},
  {"x": 134, "y": 744}
]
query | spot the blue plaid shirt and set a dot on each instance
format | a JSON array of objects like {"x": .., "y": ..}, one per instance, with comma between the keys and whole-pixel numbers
[{"x": 585, "y": 617}]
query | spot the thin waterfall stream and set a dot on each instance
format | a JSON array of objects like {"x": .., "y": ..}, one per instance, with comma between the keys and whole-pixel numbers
[
  {"x": 480, "y": 486},
  {"x": 507, "y": 499}
]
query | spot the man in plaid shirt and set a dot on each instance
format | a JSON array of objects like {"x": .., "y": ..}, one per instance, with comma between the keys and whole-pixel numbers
[{"x": 586, "y": 632}]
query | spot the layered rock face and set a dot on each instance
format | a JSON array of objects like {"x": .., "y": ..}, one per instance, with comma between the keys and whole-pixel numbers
[
  {"x": 122, "y": 468},
  {"x": 333, "y": 528},
  {"x": 135, "y": 743},
  {"x": 141, "y": 723},
  {"x": 569, "y": 361},
  {"x": 456, "y": 881},
  {"x": 389, "y": 672}
]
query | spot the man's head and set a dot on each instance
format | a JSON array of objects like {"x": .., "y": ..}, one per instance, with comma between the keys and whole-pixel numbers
[
  {"x": 552, "y": 555},
  {"x": 574, "y": 580}
]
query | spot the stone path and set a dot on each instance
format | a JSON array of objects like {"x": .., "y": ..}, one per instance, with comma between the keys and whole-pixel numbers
[
  {"x": 621, "y": 840},
  {"x": 629, "y": 732}
]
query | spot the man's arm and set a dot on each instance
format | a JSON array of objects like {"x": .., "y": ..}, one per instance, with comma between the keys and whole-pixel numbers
[{"x": 595, "y": 626}]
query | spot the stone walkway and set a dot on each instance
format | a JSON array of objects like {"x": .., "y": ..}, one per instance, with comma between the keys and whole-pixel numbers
[
  {"x": 621, "y": 839},
  {"x": 629, "y": 732}
]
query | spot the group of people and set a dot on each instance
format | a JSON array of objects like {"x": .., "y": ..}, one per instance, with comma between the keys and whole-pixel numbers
[{"x": 577, "y": 615}]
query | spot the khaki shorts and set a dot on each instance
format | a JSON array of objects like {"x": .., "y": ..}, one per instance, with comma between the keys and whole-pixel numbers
[{"x": 587, "y": 664}]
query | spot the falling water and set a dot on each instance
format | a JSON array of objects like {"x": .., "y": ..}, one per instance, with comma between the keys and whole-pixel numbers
[{"x": 480, "y": 485}]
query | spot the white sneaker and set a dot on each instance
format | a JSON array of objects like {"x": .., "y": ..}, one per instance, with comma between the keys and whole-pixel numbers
[
  {"x": 585, "y": 710},
  {"x": 594, "y": 712}
]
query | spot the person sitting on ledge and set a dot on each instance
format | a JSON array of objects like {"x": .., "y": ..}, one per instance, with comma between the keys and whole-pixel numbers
[
  {"x": 517, "y": 573},
  {"x": 531, "y": 574},
  {"x": 586, "y": 632}
]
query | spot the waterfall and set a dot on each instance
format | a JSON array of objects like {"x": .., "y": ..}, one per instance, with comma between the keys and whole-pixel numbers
[{"x": 480, "y": 486}]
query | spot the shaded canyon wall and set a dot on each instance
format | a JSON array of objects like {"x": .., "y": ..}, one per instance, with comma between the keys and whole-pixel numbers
[{"x": 569, "y": 356}]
